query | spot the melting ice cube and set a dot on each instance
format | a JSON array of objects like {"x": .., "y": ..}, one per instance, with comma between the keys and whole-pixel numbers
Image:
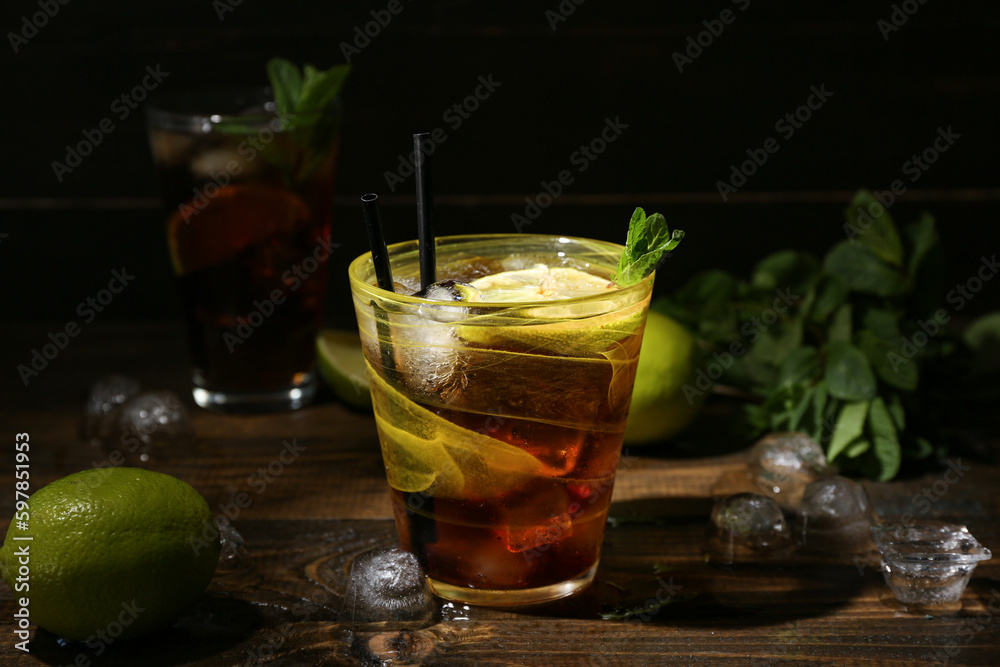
[
  {"x": 151, "y": 421},
  {"x": 835, "y": 517},
  {"x": 747, "y": 526},
  {"x": 782, "y": 464},
  {"x": 104, "y": 399},
  {"x": 387, "y": 585}
]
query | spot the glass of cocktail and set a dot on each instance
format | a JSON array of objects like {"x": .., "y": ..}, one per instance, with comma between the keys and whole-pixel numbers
[
  {"x": 501, "y": 414},
  {"x": 248, "y": 196}
]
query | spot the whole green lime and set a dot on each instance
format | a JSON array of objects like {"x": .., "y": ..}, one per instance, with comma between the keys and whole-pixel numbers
[
  {"x": 668, "y": 360},
  {"x": 113, "y": 553}
]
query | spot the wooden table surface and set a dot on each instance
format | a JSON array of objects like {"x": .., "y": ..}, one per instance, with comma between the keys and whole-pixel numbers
[{"x": 280, "y": 603}]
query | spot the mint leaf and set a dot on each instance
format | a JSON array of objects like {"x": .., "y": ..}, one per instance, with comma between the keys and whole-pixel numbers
[
  {"x": 286, "y": 84},
  {"x": 878, "y": 233},
  {"x": 850, "y": 426},
  {"x": 648, "y": 240},
  {"x": 848, "y": 375},
  {"x": 862, "y": 270},
  {"x": 884, "y": 439},
  {"x": 301, "y": 96},
  {"x": 302, "y": 99},
  {"x": 320, "y": 88}
]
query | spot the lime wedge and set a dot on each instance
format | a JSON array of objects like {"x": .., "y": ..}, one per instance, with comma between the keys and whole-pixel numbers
[{"x": 342, "y": 365}]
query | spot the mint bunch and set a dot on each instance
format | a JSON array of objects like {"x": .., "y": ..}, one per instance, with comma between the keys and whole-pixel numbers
[
  {"x": 648, "y": 242},
  {"x": 855, "y": 350}
]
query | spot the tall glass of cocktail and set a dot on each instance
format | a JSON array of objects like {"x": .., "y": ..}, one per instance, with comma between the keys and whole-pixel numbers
[{"x": 248, "y": 194}]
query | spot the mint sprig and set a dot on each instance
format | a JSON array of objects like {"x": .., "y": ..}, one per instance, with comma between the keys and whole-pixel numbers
[
  {"x": 649, "y": 240},
  {"x": 303, "y": 100},
  {"x": 300, "y": 95}
]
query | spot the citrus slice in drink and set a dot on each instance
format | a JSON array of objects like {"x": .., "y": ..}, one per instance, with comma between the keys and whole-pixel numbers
[
  {"x": 540, "y": 283},
  {"x": 425, "y": 453},
  {"x": 342, "y": 365},
  {"x": 209, "y": 230},
  {"x": 573, "y": 329}
]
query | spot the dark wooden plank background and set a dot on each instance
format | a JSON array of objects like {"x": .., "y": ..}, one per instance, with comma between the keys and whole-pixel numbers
[{"x": 606, "y": 60}]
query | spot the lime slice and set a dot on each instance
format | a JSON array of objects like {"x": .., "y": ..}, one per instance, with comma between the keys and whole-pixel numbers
[
  {"x": 540, "y": 283},
  {"x": 425, "y": 453},
  {"x": 578, "y": 334},
  {"x": 342, "y": 365}
]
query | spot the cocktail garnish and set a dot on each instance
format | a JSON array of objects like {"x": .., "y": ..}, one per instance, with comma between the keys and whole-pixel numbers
[{"x": 648, "y": 242}]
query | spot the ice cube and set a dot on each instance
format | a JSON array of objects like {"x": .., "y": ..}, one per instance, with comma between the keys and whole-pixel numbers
[
  {"x": 835, "y": 517},
  {"x": 170, "y": 149},
  {"x": 928, "y": 564},
  {"x": 387, "y": 585},
  {"x": 149, "y": 422},
  {"x": 535, "y": 524},
  {"x": 450, "y": 290},
  {"x": 747, "y": 526},
  {"x": 106, "y": 396},
  {"x": 231, "y": 557},
  {"x": 210, "y": 164},
  {"x": 783, "y": 464}
]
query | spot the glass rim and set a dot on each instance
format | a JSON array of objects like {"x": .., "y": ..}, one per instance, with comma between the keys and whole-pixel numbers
[
  {"x": 412, "y": 245},
  {"x": 188, "y": 110}
]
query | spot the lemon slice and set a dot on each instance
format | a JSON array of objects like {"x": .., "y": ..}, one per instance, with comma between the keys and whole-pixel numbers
[
  {"x": 342, "y": 365},
  {"x": 540, "y": 283}
]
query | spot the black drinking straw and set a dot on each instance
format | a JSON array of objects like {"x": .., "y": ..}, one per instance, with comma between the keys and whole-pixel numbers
[
  {"x": 380, "y": 255},
  {"x": 423, "y": 530},
  {"x": 383, "y": 274},
  {"x": 425, "y": 201}
]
